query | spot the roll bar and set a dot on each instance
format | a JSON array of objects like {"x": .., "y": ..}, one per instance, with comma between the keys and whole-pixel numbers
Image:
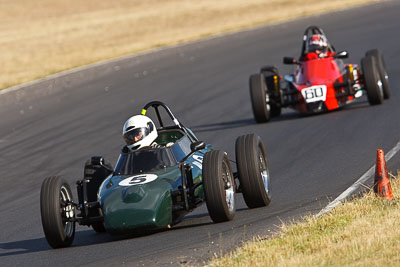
[
  {"x": 310, "y": 31},
  {"x": 156, "y": 105}
]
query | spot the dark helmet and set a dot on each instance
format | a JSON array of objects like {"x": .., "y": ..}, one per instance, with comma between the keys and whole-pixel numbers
[{"x": 317, "y": 42}]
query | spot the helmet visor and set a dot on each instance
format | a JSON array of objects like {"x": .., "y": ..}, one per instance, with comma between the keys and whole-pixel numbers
[
  {"x": 135, "y": 135},
  {"x": 315, "y": 47}
]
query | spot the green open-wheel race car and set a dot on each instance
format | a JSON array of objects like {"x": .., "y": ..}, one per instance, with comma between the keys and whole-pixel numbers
[{"x": 153, "y": 188}]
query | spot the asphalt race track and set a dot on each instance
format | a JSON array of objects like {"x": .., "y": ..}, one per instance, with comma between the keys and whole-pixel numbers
[{"x": 53, "y": 127}]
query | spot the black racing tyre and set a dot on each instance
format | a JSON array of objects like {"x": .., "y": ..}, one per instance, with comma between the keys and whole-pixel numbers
[
  {"x": 269, "y": 68},
  {"x": 274, "y": 95},
  {"x": 259, "y": 98},
  {"x": 219, "y": 186},
  {"x": 98, "y": 227},
  {"x": 57, "y": 215},
  {"x": 380, "y": 62},
  {"x": 252, "y": 165},
  {"x": 372, "y": 80}
]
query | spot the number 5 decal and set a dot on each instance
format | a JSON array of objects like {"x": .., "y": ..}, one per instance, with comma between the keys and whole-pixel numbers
[{"x": 138, "y": 179}]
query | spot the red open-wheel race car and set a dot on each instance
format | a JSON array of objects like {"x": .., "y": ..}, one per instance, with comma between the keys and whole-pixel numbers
[{"x": 321, "y": 81}]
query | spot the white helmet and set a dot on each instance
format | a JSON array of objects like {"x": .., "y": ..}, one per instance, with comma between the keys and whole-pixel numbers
[{"x": 139, "y": 131}]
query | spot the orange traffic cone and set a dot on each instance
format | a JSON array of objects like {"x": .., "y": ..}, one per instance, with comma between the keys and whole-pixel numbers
[{"x": 382, "y": 183}]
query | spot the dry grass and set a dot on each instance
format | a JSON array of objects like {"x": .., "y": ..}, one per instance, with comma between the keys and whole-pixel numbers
[
  {"x": 42, "y": 37},
  {"x": 363, "y": 232}
]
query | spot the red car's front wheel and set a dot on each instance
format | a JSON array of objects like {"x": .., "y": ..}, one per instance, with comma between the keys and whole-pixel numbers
[{"x": 372, "y": 80}]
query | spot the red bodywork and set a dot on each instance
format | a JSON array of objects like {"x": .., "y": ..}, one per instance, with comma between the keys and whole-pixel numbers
[
  {"x": 317, "y": 78},
  {"x": 321, "y": 81}
]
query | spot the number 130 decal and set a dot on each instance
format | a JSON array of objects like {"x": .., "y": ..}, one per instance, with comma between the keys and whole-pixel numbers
[
  {"x": 138, "y": 179},
  {"x": 314, "y": 93}
]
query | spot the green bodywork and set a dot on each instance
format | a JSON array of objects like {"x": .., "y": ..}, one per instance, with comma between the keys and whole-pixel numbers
[{"x": 149, "y": 205}]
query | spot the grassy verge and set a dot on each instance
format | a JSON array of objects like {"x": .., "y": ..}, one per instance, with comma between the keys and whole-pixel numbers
[
  {"x": 43, "y": 37},
  {"x": 363, "y": 232}
]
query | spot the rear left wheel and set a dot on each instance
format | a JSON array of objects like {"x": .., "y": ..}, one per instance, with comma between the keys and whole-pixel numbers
[
  {"x": 271, "y": 78},
  {"x": 98, "y": 227},
  {"x": 219, "y": 189},
  {"x": 96, "y": 170},
  {"x": 259, "y": 98},
  {"x": 269, "y": 69},
  {"x": 252, "y": 165},
  {"x": 57, "y": 212}
]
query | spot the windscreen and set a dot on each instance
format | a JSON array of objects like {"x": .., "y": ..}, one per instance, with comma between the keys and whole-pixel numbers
[{"x": 144, "y": 161}]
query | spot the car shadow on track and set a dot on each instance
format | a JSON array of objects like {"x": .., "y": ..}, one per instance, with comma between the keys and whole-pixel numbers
[
  {"x": 360, "y": 104},
  {"x": 82, "y": 238},
  {"x": 23, "y": 246},
  {"x": 288, "y": 115},
  {"x": 89, "y": 237},
  {"x": 197, "y": 220},
  {"x": 212, "y": 127}
]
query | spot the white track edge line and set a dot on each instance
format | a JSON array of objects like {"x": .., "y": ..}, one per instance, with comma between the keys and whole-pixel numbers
[{"x": 358, "y": 183}]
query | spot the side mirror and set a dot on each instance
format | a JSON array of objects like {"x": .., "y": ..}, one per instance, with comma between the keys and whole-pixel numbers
[
  {"x": 342, "y": 54},
  {"x": 199, "y": 145},
  {"x": 289, "y": 60}
]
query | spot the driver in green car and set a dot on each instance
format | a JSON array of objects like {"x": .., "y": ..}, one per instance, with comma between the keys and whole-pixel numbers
[{"x": 139, "y": 132}]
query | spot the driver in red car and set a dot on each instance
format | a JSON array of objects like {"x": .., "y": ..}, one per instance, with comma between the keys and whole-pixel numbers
[{"x": 317, "y": 47}]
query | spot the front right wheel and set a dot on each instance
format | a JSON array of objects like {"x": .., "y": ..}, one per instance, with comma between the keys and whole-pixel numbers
[
  {"x": 252, "y": 165},
  {"x": 372, "y": 80},
  {"x": 381, "y": 66},
  {"x": 57, "y": 212}
]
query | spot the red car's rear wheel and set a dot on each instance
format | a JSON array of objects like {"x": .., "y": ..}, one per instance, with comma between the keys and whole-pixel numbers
[{"x": 259, "y": 98}]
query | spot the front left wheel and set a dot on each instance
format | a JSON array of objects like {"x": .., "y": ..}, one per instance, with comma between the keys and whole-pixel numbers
[
  {"x": 219, "y": 186},
  {"x": 57, "y": 212}
]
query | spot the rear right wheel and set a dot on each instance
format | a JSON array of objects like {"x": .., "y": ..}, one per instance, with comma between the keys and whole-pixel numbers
[{"x": 252, "y": 165}]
